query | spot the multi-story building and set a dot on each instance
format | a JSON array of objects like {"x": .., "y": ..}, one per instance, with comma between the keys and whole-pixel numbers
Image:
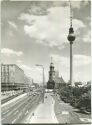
[
  {"x": 12, "y": 77},
  {"x": 27, "y": 82}
]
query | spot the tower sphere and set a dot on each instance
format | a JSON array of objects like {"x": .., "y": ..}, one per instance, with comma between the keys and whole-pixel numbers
[{"x": 71, "y": 36}]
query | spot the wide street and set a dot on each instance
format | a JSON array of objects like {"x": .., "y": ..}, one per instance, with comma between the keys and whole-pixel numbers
[
  {"x": 18, "y": 110},
  {"x": 30, "y": 109}
]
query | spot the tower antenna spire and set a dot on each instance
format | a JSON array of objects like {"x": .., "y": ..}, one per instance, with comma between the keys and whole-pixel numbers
[
  {"x": 70, "y": 13},
  {"x": 51, "y": 59}
]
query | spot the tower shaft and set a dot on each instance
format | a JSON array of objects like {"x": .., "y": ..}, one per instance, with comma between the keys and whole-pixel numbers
[{"x": 71, "y": 65}]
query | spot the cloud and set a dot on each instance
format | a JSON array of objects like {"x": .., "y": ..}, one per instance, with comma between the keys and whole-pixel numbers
[
  {"x": 32, "y": 72},
  {"x": 79, "y": 3},
  {"x": 64, "y": 61},
  {"x": 9, "y": 52},
  {"x": 38, "y": 10},
  {"x": 76, "y": 4},
  {"x": 81, "y": 65},
  {"x": 35, "y": 73},
  {"x": 26, "y": 17},
  {"x": 87, "y": 37},
  {"x": 19, "y": 61},
  {"x": 12, "y": 24},
  {"x": 51, "y": 29},
  {"x": 80, "y": 60},
  {"x": 62, "y": 65},
  {"x": 11, "y": 33}
]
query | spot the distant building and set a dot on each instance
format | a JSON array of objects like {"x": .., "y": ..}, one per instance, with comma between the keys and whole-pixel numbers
[{"x": 27, "y": 82}]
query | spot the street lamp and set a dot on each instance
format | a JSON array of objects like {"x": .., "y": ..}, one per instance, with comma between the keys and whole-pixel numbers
[
  {"x": 43, "y": 78},
  {"x": 71, "y": 38}
]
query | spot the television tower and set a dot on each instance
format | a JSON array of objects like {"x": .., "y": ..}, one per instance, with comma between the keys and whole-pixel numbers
[{"x": 71, "y": 38}]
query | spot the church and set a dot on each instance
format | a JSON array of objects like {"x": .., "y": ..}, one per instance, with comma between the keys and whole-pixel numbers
[{"x": 54, "y": 79}]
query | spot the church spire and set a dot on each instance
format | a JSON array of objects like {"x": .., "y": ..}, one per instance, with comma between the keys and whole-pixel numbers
[{"x": 51, "y": 64}]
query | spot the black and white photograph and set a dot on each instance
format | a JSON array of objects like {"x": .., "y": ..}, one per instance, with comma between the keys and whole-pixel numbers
[{"x": 46, "y": 62}]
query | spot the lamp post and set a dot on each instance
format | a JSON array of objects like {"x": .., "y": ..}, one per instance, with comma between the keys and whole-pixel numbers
[
  {"x": 43, "y": 79},
  {"x": 71, "y": 38}
]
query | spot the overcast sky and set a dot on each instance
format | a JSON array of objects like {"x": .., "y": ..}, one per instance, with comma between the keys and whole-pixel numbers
[{"x": 32, "y": 32}]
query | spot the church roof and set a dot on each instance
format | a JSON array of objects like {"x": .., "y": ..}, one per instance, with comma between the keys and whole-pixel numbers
[{"x": 59, "y": 80}]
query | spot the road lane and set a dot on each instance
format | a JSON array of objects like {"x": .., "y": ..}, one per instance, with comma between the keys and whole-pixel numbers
[
  {"x": 31, "y": 106},
  {"x": 12, "y": 102},
  {"x": 12, "y": 108},
  {"x": 18, "y": 110},
  {"x": 10, "y": 98}
]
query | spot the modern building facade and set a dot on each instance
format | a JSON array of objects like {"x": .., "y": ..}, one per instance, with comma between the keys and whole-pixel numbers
[{"x": 12, "y": 78}]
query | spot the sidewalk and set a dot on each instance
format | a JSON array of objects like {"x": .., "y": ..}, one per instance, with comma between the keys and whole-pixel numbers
[
  {"x": 65, "y": 113},
  {"x": 45, "y": 112}
]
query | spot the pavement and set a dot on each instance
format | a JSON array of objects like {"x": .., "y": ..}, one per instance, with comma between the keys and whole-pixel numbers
[
  {"x": 45, "y": 111},
  {"x": 65, "y": 113},
  {"x": 16, "y": 110}
]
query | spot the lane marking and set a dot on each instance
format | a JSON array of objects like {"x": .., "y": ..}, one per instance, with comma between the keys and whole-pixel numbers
[
  {"x": 5, "y": 112},
  {"x": 12, "y": 106},
  {"x": 13, "y": 120},
  {"x": 86, "y": 120},
  {"x": 10, "y": 112},
  {"x": 26, "y": 112},
  {"x": 2, "y": 118},
  {"x": 16, "y": 112},
  {"x": 19, "y": 115},
  {"x": 14, "y": 109},
  {"x": 65, "y": 112}
]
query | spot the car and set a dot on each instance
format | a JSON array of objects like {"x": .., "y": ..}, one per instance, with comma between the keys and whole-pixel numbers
[{"x": 48, "y": 90}]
